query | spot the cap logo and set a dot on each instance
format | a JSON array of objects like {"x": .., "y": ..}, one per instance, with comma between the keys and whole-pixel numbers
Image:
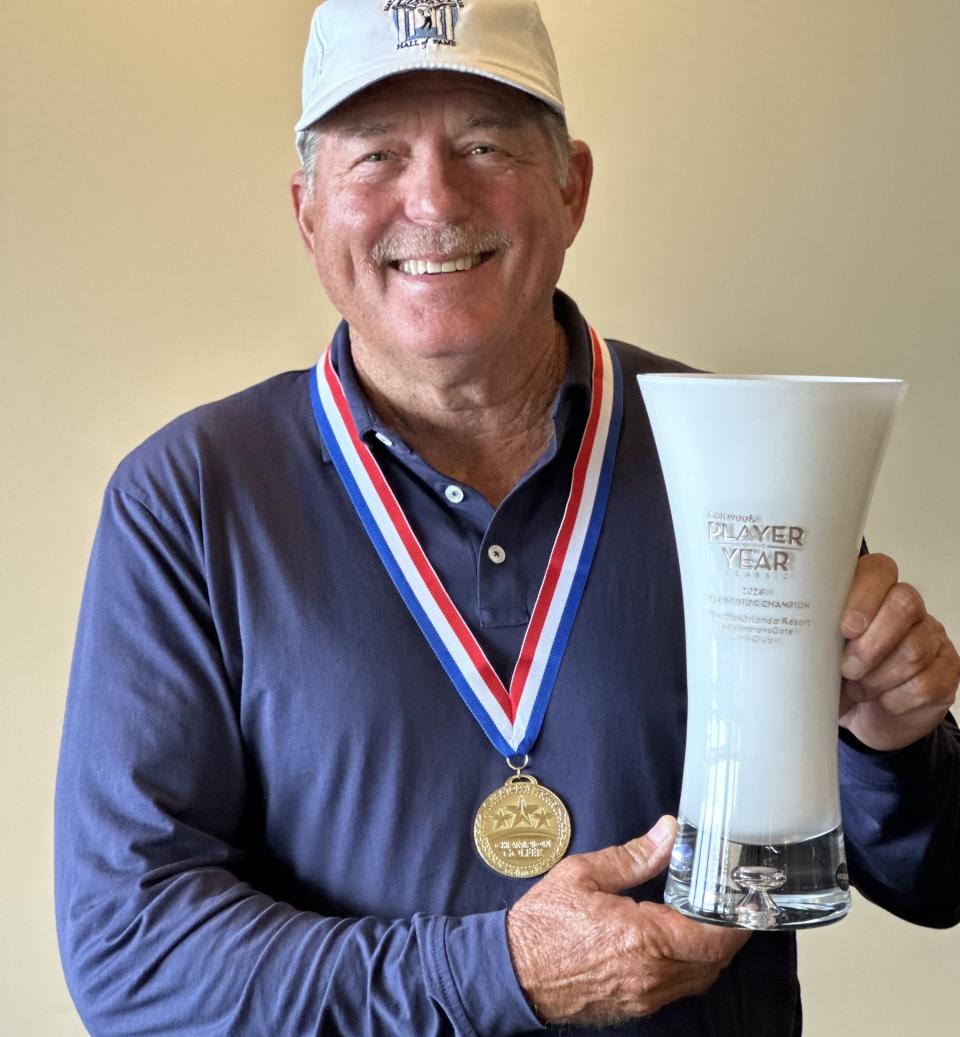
[{"x": 422, "y": 22}]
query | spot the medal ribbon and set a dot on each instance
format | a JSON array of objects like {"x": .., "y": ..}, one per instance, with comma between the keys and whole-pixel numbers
[{"x": 512, "y": 718}]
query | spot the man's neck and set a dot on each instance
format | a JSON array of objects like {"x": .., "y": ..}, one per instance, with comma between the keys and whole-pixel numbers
[{"x": 482, "y": 423}]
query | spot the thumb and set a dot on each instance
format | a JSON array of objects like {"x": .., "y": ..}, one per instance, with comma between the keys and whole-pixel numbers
[{"x": 622, "y": 867}]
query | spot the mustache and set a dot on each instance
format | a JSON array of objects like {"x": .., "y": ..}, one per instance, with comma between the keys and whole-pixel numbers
[{"x": 451, "y": 240}]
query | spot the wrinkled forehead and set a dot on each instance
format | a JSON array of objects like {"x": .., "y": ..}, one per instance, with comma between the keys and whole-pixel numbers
[{"x": 387, "y": 101}]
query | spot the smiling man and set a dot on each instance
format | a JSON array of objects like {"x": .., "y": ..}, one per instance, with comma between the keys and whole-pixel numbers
[
  {"x": 432, "y": 210},
  {"x": 380, "y": 670}
]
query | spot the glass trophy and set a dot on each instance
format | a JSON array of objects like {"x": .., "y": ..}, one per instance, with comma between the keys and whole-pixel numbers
[{"x": 769, "y": 480}]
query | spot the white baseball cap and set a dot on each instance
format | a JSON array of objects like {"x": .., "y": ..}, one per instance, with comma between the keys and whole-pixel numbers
[{"x": 355, "y": 43}]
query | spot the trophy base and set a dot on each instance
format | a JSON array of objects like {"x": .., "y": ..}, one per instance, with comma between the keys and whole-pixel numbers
[{"x": 751, "y": 886}]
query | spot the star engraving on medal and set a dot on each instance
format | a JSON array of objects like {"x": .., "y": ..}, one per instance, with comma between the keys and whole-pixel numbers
[
  {"x": 508, "y": 817},
  {"x": 503, "y": 818}
]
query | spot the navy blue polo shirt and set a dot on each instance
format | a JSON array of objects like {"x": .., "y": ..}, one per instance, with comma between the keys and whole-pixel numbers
[
  {"x": 267, "y": 782},
  {"x": 491, "y": 560}
]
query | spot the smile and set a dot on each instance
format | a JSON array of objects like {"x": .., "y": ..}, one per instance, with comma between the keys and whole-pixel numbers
[{"x": 459, "y": 264}]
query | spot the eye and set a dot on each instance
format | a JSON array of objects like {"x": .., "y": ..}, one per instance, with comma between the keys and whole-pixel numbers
[
  {"x": 377, "y": 156},
  {"x": 482, "y": 149}
]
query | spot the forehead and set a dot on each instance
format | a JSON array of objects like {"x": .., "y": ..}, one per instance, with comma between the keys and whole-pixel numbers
[{"x": 474, "y": 97}]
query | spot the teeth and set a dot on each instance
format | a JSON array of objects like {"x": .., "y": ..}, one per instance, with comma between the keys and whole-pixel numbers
[{"x": 430, "y": 266}]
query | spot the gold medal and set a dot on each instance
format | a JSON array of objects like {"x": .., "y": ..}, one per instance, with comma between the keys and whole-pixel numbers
[{"x": 522, "y": 829}]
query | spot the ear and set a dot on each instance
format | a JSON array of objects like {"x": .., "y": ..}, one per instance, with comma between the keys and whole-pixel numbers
[
  {"x": 577, "y": 192},
  {"x": 302, "y": 208}
]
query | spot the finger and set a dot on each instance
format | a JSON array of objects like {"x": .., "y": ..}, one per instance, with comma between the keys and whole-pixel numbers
[
  {"x": 681, "y": 939},
  {"x": 935, "y": 687},
  {"x": 902, "y": 609},
  {"x": 873, "y": 578},
  {"x": 685, "y": 956},
  {"x": 672, "y": 981},
  {"x": 912, "y": 656},
  {"x": 617, "y": 868}
]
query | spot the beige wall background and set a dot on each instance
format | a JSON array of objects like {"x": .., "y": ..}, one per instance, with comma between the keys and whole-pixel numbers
[{"x": 776, "y": 191}]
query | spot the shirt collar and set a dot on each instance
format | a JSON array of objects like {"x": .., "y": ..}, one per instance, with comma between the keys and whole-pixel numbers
[{"x": 575, "y": 385}]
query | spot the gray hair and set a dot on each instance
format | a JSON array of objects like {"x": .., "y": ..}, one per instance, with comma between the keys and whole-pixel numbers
[{"x": 552, "y": 122}]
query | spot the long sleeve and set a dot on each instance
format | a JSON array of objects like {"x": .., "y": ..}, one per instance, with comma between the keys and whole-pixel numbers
[
  {"x": 159, "y": 931},
  {"x": 901, "y": 819}
]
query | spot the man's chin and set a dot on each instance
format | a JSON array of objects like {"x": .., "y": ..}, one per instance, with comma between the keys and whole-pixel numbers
[{"x": 437, "y": 345}]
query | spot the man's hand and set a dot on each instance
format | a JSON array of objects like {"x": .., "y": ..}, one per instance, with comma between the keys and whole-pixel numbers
[
  {"x": 584, "y": 955},
  {"x": 901, "y": 670}
]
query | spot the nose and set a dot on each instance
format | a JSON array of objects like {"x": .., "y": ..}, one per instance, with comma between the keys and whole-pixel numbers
[{"x": 436, "y": 190}]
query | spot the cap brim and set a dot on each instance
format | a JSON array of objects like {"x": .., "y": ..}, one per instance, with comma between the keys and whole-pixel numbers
[{"x": 376, "y": 74}]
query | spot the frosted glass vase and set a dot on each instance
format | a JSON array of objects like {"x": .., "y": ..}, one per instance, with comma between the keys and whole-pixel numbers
[{"x": 769, "y": 481}]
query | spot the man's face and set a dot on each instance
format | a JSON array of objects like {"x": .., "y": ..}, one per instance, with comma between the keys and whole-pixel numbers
[{"x": 448, "y": 170}]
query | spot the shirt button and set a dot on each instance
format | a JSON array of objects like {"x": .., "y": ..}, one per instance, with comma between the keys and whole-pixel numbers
[
  {"x": 453, "y": 494},
  {"x": 496, "y": 554}
]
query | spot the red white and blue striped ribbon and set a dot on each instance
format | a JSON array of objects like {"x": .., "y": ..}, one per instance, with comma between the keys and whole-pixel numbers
[{"x": 511, "y": 718}]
